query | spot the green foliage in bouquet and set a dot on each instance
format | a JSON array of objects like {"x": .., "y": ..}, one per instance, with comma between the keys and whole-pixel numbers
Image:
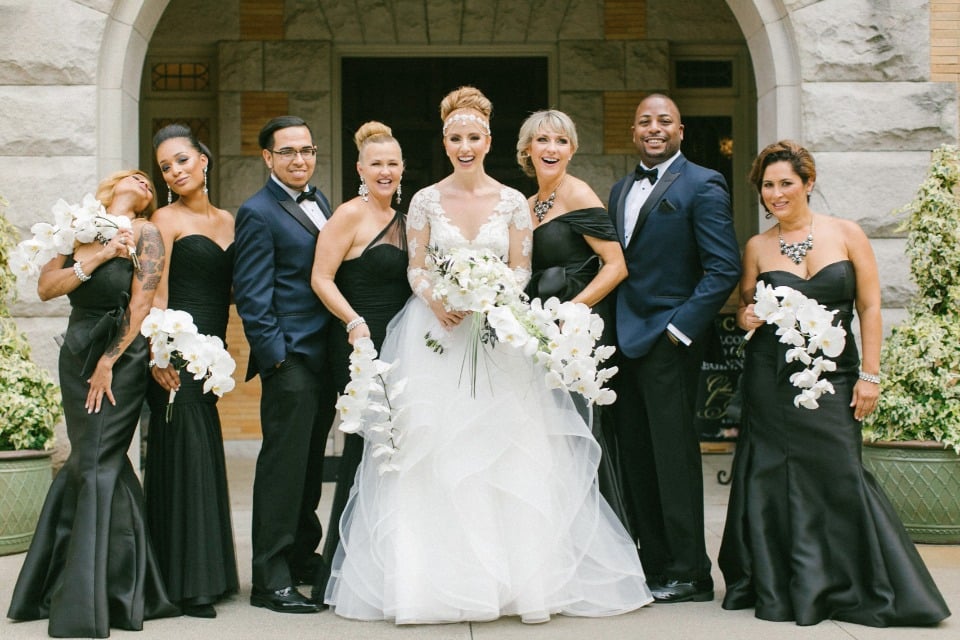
[
  {"x": 920, "y": 390},
  {"x": 29, "y": 398}
]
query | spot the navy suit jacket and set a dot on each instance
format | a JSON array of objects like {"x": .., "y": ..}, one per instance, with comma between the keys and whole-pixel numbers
[
  {"x": 275, "y": 243},
  {"x": 682, "y": 260}
]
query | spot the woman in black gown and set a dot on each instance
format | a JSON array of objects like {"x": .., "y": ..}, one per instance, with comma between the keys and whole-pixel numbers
[
  {"x": 185, "y": 477},
  {"x": 576, "y": 253},
  {"x": 809, "y": 535},
  {"x": 90, "y": 566},
  {"x": 360, "y": 274}
]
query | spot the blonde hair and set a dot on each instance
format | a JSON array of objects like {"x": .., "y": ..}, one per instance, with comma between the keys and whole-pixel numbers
[
  {"x": 106, "y": 188},
  {"x": 370, "y": 132},
  {"x": 465, "y": 98},
  {"x": 546, "y": 120}
]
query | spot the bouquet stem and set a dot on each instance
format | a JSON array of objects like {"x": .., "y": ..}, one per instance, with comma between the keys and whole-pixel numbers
[{"x": 170, "y": 399}]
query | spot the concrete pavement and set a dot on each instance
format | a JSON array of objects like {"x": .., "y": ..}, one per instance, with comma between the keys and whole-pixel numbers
[{"x": 688, "y": 621}]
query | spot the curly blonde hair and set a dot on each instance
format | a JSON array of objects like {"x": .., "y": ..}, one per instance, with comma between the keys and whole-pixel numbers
[{"x": 108, "y": 184}]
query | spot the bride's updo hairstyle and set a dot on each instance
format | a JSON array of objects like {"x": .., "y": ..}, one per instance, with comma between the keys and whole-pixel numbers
[
  {"x": 466, "y": 98},
  {"x": 370, "y": 132}
]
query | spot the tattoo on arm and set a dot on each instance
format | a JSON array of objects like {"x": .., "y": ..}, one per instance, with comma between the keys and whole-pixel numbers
[
  {"x": 113, "y": 350},
  {"x": 151, "y": 252}
]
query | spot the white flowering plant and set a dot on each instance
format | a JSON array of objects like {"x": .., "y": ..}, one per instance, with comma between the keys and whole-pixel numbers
[
  {"x": 561, "y": 336},
  {"x": 368, "y": 405},
  {"x": 175, "y": 340},
  {"x": 72, "y": 224},
  {"x": 30, "y": 405},
  {"x": 806, "y": 325}
]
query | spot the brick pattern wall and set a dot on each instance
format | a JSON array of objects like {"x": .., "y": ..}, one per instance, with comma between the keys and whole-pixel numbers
[
  {"x": 261, "y": 19},
  {"x": 619, "y": 108},
  {"x": 625, "y": 19},
  {"x": 945, "y": 41},
  {"x": 256, "y": 107}
]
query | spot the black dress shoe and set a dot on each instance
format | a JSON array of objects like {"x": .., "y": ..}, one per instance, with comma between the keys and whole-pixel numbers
[
  {"x": 680, "y": 591},
  {"x": 286, "y": 600},
  {"x": 199, "y": 610}
]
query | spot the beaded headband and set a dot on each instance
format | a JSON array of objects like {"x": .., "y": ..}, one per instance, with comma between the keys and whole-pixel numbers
[{"x": 466, "y": 118}]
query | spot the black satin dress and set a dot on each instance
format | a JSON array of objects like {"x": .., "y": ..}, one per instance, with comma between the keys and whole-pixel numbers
[
  {"x": 90, "y": 566},
  {"x": 809, "y": 535},
  {"x": 375, "y": 284},
  {"x": 185, "y": 477},
  {"x": 563, "y": 264}
]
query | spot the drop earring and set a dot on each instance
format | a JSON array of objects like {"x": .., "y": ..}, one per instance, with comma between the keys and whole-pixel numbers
[
  {"x": 169, "y": 195},
  {"x": 205, "y": 180},
  {"x": 363, "y": 190},
  {"x": 399, "y": 186}
]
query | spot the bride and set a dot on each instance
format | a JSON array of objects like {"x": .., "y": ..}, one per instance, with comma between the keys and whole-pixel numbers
[{"x": 494, "y": 509}]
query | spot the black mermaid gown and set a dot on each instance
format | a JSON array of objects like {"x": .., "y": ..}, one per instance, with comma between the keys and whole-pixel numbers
[
  {"x": 90, "y": 566},
  {"x": 185, "y": 477},
  {"x": 375, "y": 284},
  {"x": 563, "y": 264},
  {"x": 809, "y": 535}
]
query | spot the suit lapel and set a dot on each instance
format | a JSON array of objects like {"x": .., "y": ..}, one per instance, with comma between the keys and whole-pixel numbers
[
  {"x": 291, "y": 207},
  {"x": 627, "y": 183},
  {"x": 654, "y": 198}
]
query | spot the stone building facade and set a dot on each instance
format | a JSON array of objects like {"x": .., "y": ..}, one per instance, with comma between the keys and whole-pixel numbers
[{"x": 870, "y": 86}]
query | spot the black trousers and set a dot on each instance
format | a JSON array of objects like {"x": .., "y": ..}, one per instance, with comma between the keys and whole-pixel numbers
[
  {"x": 660, "y": 459},
  {"x": 297, "y": 408}
]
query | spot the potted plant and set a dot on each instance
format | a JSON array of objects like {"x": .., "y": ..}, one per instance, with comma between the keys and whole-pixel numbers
[
  {"x": 913, "y": 437},
  {"x": 29, "y": 410}
]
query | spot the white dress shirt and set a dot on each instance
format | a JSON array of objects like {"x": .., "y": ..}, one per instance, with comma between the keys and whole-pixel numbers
[{"x": 309, "y": 207}]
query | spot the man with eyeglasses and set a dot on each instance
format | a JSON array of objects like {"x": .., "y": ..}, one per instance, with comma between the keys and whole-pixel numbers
[{"x": 286, "y": 326}]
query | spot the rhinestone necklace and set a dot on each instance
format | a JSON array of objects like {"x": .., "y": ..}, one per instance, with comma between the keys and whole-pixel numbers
[
  {"x": 796, "y": 251},
  {"x": 541, "y": 207}
]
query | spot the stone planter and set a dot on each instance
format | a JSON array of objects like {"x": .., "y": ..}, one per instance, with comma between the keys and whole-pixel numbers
[
  {"x": 922, "y": 480},
  {"x": 25, "y": 477}
]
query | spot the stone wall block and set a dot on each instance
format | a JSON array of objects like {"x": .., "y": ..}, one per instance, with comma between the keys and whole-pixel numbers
[
  {"x": 240, "y": 178},
  {"x": 689, "y": 21},
  {"x": 868, "y": 187},
  {"x": 305, "y": 20},
  {"x": 648, "y": 65},
  {"x": 46, "y": 42},
  {"x": 377, "y": 21},
  {"x": 48, "y": 121},
  {"x": 230, "y": 118},
  {"x": 314, "y": 107},
  {"x": 189, "y": 23},
  {"x": 343, "y": 22},
  {"x": 546, "y": 20},
  {"x": 586, "y": 110},
  {"x": 240, "y": 66},
  {"x": 857, "y": 40},
  {"x": 443, "y": 21},
  {"x": 583, "y": 21},
  {"x": 511, "y": 23},
  {"x": 865, "y": 116},
  {"x": 296, "y": 66},
  {"x": 588, "y": 64},
  {"x": 53, "y": 177},
  {"x": 896, "y": 287},
  {"x": 411, "y": 21}
]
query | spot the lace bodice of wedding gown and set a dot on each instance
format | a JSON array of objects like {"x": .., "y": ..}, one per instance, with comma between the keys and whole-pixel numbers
[{"x": 507, "y": 232}]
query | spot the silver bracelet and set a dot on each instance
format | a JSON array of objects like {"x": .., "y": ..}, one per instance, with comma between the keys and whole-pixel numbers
[
  {"x": 869, "y": 377},
  {"x": 356, "y": 322},
  {"x": 78, "y": 271}
]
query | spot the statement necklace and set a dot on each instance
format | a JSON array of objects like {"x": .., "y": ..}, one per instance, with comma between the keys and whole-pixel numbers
[
  {"x": 796, "y": 251},
  {"x": 541, "y": 207}
]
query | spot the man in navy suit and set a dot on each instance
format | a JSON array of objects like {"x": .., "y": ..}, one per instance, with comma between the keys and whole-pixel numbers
[
  {"x": 286, "y": 326},
  {"x": 675, "y": 224}
]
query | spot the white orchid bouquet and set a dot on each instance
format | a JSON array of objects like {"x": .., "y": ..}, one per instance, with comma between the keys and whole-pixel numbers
[
  {"x": 368, "y": 405},
  {"x": 72, "y": 224},
  {"x": 174, "y": 339},
  {"x": 562, "y": 336},
  {"x": 806, "y": 325}
]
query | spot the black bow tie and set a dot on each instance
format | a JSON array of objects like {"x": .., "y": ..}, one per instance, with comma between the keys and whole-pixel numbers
[
  {"x": 640, "y": 173},
  {"x": 311, "y": 194}
]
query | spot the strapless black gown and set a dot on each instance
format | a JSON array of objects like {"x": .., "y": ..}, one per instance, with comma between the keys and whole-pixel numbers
[
  {"x": 809, "y": 535},
  {"x": 90, "y": 566},
  {"x": 185, "y": 477},
  {"x": 563, "y": 264},
  {"x": 375, "y": 284}
]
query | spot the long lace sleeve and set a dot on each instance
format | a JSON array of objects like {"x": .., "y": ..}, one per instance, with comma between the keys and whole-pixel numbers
[
  {"x": 521, "y": 237},
  {"x": 418, "y": 239}
]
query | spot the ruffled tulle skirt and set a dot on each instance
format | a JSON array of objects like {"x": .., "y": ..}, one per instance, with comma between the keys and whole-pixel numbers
[{"x": 495, "y": 508}]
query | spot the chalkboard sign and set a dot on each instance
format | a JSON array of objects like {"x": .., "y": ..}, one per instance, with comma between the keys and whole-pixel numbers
[{"x": 718, "y": 416}]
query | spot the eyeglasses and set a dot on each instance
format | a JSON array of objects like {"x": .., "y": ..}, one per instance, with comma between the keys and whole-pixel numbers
[{"x": 288, "y": 153}]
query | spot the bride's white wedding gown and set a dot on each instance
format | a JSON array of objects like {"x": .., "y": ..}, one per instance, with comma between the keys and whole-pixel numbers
[{"x": 495, "y": 509}]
